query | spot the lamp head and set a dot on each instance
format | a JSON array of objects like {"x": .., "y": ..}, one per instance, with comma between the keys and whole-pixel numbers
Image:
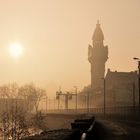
[{"x": 135, "y": 58}]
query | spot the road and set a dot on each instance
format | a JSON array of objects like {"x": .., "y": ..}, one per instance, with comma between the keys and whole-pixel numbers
[
  {"x": 112, "y": 130},
  {"x": 103, "y": 130}
]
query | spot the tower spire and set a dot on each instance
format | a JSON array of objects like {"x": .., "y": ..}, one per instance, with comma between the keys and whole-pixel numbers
[
  {"x": 97, "y": 56},
  {"x": 98, "y": 35}
]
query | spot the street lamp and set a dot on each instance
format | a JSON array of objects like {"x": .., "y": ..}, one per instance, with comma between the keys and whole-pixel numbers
[
  {"x": 138, "y": 59},
  {"x": 104, "y": 91},
  {"x": 46, "y": 103},
  {"x": 76, "y": 103},
  {"x": 88, "y": 101}
]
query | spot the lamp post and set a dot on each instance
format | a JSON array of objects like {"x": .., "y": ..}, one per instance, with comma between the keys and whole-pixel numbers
[
  {"x": 138, "y": 59},
  {"x": 104, "y": 97},
  {"x": 133, "y": 85},
  {"x": 104, "y": 92},
  {"x": 46, "y": 103},
  {"x": 76, "y": 100},
  {"x": 58, "y": 93},
  {"x": 87, "y": 102}
]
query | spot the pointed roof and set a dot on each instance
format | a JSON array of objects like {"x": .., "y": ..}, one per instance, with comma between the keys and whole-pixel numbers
[{"x": 98, "y": 34}]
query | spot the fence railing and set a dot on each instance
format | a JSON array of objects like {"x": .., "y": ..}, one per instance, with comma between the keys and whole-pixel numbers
[{"x": 124, "y": 112}]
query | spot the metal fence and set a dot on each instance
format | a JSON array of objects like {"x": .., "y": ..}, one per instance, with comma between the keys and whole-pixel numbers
[{"x": 120, "y": 112}]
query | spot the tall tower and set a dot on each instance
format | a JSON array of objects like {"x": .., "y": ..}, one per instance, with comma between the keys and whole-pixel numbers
[{"x": 97, "y": 56}]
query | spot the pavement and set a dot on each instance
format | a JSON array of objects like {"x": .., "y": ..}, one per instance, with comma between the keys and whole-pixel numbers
[
  {"x": 116, "y": 130},
  {"x": 60, "y": 128}
]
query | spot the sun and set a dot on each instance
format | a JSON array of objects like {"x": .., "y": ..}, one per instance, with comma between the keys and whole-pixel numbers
[{"x": 16, "y": 49}]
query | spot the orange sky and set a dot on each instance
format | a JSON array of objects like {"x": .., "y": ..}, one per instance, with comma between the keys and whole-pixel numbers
[{"x": 56, "y": 34}]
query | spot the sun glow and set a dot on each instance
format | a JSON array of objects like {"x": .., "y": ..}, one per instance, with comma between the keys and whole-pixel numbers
[{"x": 16, "y": 49}]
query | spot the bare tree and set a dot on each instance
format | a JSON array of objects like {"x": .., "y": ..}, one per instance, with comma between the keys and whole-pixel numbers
[
  {"x": 14, "y": 125},
  {"x": 32, "y": 94},
  {"x": 27, "y": 92},
  {"x": 18, "y": 101},
  {"x": 39, "y": 94},
  {"x": 5, "y": 126}
]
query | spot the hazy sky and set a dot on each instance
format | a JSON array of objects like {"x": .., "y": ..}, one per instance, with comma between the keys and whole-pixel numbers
[{"x": 55, "y": 35}]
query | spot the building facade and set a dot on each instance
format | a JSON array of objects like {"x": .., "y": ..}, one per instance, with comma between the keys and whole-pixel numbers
[{"x": 121, "y": 88}]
